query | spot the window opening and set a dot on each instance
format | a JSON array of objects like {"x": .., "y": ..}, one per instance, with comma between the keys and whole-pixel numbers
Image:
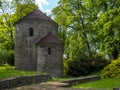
[
  {"x": 49, "y": 51},
  {"x": 31, "y": 32}
]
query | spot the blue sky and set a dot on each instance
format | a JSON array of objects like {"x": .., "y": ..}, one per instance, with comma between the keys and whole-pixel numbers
[{"x": 46, "y": 5}]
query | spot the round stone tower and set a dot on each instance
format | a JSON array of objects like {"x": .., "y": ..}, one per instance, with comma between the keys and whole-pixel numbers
[{"x": 37, "y": 47}]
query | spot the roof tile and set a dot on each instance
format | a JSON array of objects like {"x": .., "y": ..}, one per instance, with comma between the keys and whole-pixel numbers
[
  {"x": 49, "y": 38},
  {"x": 35, "y": 15}
]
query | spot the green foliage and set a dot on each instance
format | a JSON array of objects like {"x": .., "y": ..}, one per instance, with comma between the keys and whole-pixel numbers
[
  {"x": 7, "y": 57},
  {"x": 23, "y": 9},
  {"x": 104, "y": 84},
  {"x": 108, "y": 29},
  {"x": 112, "y": 70},
  {"x": 84, "y": 65},
  {"x": 89, "y": 26},
  {"x": 10, "y": 12},
  {"x": 10, "y": 57},
  {"x": 3, "y": 57},
  {"x": 66, "y": 63},
  {"x": 72, "y": 18}
]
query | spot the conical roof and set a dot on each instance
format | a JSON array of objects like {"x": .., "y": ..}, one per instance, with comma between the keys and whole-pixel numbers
[{"x": 35, "y": 15}]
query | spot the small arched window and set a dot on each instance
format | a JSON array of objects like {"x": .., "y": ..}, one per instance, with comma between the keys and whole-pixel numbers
[
  {"x": 49, "y": 51},
  {"x": 30, "y": 32}
]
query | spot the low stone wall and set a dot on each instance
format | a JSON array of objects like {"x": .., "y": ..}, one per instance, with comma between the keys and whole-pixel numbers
[
  {"x": 116, "y": 88},
  {"x": 81, "y": 80},
  {"x": 21, "y": 81}
]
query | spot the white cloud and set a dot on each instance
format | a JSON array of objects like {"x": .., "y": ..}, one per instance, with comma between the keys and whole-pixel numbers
[
  {"x": 48, "y": 11},
  {"x": 42, "y": 3}
]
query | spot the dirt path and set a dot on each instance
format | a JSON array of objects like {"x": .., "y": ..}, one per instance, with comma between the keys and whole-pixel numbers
[
  {"x": 64, "y": 85},
  {"x": 46, "y": 86}
]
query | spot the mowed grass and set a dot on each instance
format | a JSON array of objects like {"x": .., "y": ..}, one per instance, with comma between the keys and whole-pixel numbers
[
  {"x": 8, "y": 72},
  {"x": 105, "y": 84}
]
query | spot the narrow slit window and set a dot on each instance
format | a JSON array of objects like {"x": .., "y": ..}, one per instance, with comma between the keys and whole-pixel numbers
[
  {"x": 31, "y": 32},
  {"x": 49, "y": 51}
]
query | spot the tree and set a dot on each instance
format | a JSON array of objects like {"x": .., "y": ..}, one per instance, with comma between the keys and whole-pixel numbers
[
  {"x": 76, "y": 24},
  {"x": 108, "y": 27},
  {"x": 10, "y": 12},
  {"x": 89, "y": 27},
  {"x": 6, "y": 32},
  {"x": 23, "y": 7},
  {"x": 0, "y": 3}
]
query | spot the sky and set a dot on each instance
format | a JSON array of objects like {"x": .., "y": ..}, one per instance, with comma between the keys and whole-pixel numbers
[{"x": 46, "y": 5}]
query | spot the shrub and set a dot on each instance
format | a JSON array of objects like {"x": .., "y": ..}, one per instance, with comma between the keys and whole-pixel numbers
[
  {"x": 98, "y": 62},
  {"x": 10, "y": 58},
  {"x": 6, "y": 57},
  {"x": 3, "y": 55},
  {"x": 66, "y": 63},
  {"x": 84, "y": 65},
  {"x": 112, "y": 70}
]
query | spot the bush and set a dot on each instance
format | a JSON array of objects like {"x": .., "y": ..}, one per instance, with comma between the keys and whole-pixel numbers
[
  {"x": 84, "y": 65},
  {"x": 66, "y": 63},
  {"x": 112, "y": 70},
  {"x": 6, "y": 57},
  {"x": 98, "y": 62},
  {"x": 3, "y": 55},
  {"x": 10, "y": 58}
]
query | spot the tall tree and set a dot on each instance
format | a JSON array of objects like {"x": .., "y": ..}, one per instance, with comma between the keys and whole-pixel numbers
[
  {"x": 89, "y": 26},
  {"x": 108, "y": 27},
  {"x": 23, "y": 7},
  {"x": 0, "y": 3},
  {"x": 74, "y": 19},
  {"x": 10, "y": 12}
]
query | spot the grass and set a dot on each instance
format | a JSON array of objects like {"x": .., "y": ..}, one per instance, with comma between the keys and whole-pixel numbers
[
  {"x": 106, "y": 84},
  {"x": 8, "y": 72},
  {"x": 60, "y": 79}
]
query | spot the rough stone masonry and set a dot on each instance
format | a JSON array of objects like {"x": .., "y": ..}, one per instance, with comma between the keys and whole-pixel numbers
[{"x": 37, "y": 47}]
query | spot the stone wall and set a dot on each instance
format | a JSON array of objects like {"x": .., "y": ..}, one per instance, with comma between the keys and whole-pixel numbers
[
  {"x": 29, "y": 54},
  {"x": 21, "y": 81},
  {"x": 51, "y": 64},
  {"x": 25, "y": 49},
  {"x": 80, "y": 80}
]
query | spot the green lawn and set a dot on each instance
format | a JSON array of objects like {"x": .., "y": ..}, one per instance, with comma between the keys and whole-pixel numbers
[
  {"x": 106, "y": 84},
  {"x": 60, "y": 79},
  {"x": 8, "y": 71}
]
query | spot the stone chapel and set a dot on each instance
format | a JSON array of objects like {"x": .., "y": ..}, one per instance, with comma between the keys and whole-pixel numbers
[{"x": 37, "y": 47}]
